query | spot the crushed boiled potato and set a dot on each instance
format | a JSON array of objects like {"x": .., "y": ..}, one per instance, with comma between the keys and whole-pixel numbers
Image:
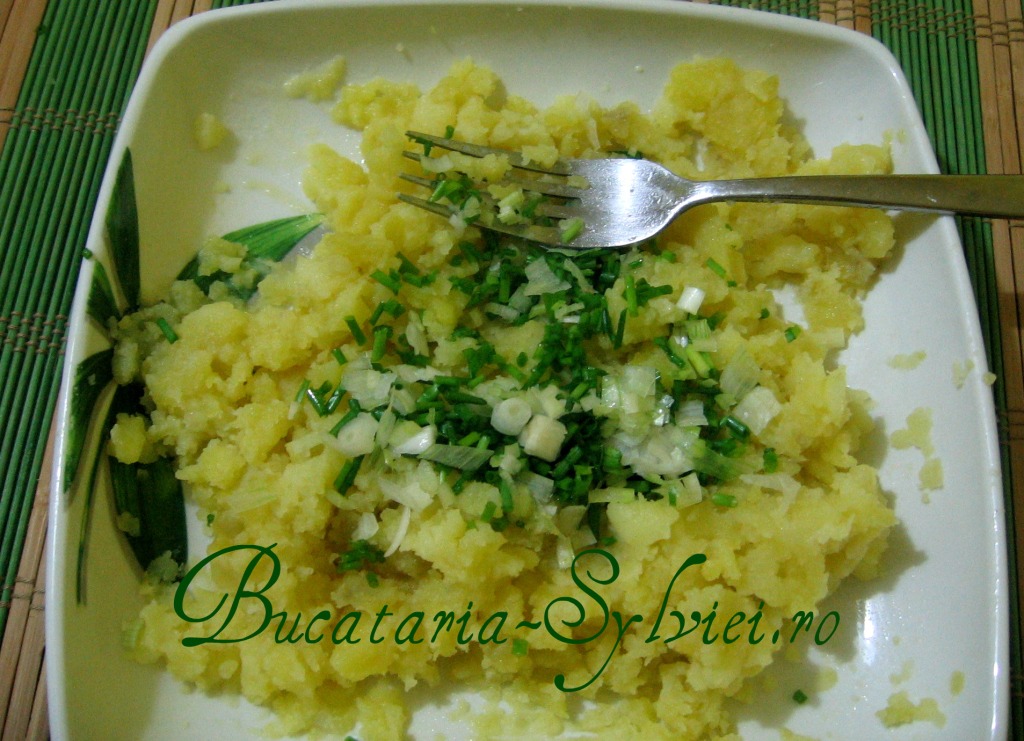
[{"x": 785, "y": 514}]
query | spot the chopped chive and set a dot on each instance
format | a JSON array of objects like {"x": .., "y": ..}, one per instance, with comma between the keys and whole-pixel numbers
[
  {"x": 391, "y": 282},
  {"x": 380, "y": 343},
  {"x": 372, "y": 580},
  {"x": 620, "y": 330},
  {"x": 530, "y": 207},
  {"x": 393, "y": 307},
  {"x": 488, "y": 512},
  {"x": 631, "y": 302},
  {"x": 799, "y": 697},
  {"x": 572, "y": 229},
  {"x": 715, "y": 319},
  {"x": 357, "y": 332},
  {"x": 303, "y": 388},
  {"x": 715, "y": 267},
  {"x": 359, "y": 554},
  {"x": 339, "y": 356},
  {"x": 699, "y": 361},
  {"x": 764, "y": 314},
  {"x": 724, "y": 500},
  {"x": 333, "y": 401},
  {"x": 736, "y": 427},
  {"x": 169, "y": 333},
  {"x": 792, "y": 332},
  {"x": 771, "y": 460},
  {"x": 318, "y": 405},
  {"x": 347, "y": 475},
  {"x": 353, "y": 411},
  {"x": 505, "y": 489},
  {"x": 406, "y": 265},
  {"x": 673, "y": 356}
]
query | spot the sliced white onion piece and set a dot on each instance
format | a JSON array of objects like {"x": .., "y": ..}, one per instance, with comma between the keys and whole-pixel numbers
[
  {"x": 403, "y": 528},
  {"x": 691, "y": 299},
  {"x": 367, "y": 527},
  {"x": 356, "y": 438},
  {"x": 757, "y": 409}
]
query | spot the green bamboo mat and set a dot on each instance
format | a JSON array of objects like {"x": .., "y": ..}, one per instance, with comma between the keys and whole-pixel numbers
[{"x": 67, "y": 68}]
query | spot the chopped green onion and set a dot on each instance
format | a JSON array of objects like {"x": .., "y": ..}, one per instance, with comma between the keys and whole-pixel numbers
[
  {"x": 391, "y": 282},
  {"x": 372, "y": 580},
  {"x": 347, "y": 475},
  {"x": 699, "y": 361},
  {"x": 457, "y": 456},
  {"x": 715, "y": 268},
  {"x": 645, "y": 291},
  {"x": 380, "y": 342},
  {"x": 792, "y": 332},
  {"x": 520, "y": 647},
  {"x": 488, "y": 512},
  {"x": 354, "y": 328},
  {"x": 571, "y": 228},
  {"x": 771, "y": 460},
  {"x": 303, "y": 388},
  {"x": 631, "y": 301},
  {"x": 353, "y": 411},
  {"x": 169, "y": 333},
  {"x": 799, "y": 697},
  {"x": 339, "y": 356},
  {"x": 724, "y": 500},
  {"x": 620, "y": 330},
  {"x": 505, "y": 489},
  {"x": 736, "y": 427},
  {"x": 673, "y": 356},
  {"x": 318, "y": 404},
  {"x": 358, "y": 555}
]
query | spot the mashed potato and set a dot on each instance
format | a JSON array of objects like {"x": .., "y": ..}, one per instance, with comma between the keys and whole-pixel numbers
[{"x": 360, "y": 520}]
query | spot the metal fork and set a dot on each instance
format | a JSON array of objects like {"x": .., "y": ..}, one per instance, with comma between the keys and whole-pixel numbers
[{"x": 622, "y": 201}]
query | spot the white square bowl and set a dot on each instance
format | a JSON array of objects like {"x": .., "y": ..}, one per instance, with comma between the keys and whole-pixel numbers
[{"x": 942, "y": 607}]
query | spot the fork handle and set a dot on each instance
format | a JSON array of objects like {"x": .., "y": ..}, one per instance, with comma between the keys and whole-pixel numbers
[{"x": 978, "y": 195}]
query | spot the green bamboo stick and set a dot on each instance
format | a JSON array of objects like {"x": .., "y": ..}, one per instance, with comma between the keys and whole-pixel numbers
[
  {"x": 34, "y": 381},
  {"x": 106, "y": 71},
  {"x": 25, "y": 239},
  {"x": 23, "y": 365},
  {"x": 12, "y": 359},
  {"x": 118, "y": 75},
  {"x": 17, "y": 154}
]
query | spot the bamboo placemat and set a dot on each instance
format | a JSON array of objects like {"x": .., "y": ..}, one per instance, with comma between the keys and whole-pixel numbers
[{"x": 66, "y": 69}]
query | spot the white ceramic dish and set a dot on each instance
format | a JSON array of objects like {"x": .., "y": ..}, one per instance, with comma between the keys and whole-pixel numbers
[{"x": 943, "y": 606}]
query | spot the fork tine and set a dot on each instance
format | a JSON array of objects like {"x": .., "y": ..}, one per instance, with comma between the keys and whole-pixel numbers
[
  {"x": 547, "y": 235},
  {"x": 559, "y": 190},
  {"x": 552, "y": 210},
  {"x": 438, "y": 208},
  {"x": 426, "y": 183},
  {"x": 477, "y": 150}
]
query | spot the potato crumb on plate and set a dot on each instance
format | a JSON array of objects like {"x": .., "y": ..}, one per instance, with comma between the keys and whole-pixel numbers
[
  {"x": 917, "y": 433},
  {"x": 209, "y": 132},
  {"x": 902, "y": 711},
  {"x": 908, "y": 361}
]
